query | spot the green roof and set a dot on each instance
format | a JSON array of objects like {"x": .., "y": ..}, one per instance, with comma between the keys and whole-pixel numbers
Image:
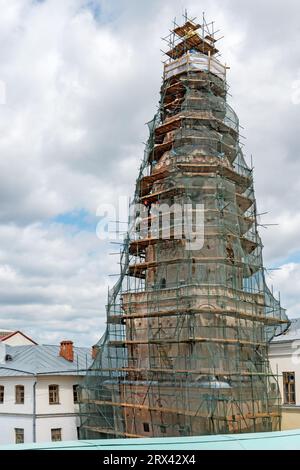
[{"x": 284, "y": 440}]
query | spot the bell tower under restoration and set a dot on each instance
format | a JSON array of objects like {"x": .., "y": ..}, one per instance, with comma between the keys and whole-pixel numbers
[{"x": 190, "y": 318}]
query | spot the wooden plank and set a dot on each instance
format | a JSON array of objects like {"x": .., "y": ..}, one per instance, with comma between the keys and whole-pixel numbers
[
  {"x": 147, "y": 181},
  {"x": 160, "y": 149},
  {"x": 111, "y": 431},
  {"x": 137, "y": 246},
  {"x": 193, "y": 41},
  {"x": 198, "y": 311},
  {"x": 210, "y": 38},
  {"x": 153, "y": 264},
  {"x": 168, "y": 126},
  {"x": 156, "y": 175},
  {"x": 244, "y": 202},
  {"x": 173, "y": 104},
  {"x": 198, "y": 168},
  {"x": 175, "y": 122},
  {"x": 232, "y": 342},
  {"x": 174, "y": 87},
  {"x": 166, "y": 192},
  {"x": 178, "y": 411},
  {"x": 186, "y": 28},
  {"x": 248, "y": 245},
  {"x": 208, "y": 371}
]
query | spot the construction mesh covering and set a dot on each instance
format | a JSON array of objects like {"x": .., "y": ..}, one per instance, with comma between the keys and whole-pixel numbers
[{"x": 185, "y": 351}]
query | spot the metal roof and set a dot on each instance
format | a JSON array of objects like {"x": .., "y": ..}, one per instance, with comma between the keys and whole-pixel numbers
[
  {"x": 292, "y": 333},
  {"x": 284, "y": 440},
  {"x": 43, "y": 360}
]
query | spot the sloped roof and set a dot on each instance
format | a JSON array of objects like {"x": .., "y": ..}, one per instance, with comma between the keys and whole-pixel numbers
[
  {"x": 292, "y": 333},
  {"x": 44, "y": 360},
  {"x": 9, "y": 334}
]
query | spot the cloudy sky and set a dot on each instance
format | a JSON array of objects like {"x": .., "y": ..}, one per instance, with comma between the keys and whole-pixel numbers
[{"x": 79, "y": 79}]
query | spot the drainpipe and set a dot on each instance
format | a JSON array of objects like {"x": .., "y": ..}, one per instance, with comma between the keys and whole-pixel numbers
[{"x": 34, "y": 413}]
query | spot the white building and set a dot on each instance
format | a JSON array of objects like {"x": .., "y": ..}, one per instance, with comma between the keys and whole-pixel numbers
[
  {"x": 15, "y": 338},
  {"x": 284, "y": 355},
  {"x": 38, "y": 391}
]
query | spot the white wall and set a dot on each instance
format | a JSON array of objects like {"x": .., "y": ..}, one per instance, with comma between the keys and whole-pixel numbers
[
  {"x": 66, "y": 404},
  {"x": 18, "y": 340},
  {"x": 9, "y": 405},
  {"x": 68, "y": 424},
  {"x": 282, "y": 359},
  {"x": 8, "y": 425},
  {"x": 62, "y": 415}
]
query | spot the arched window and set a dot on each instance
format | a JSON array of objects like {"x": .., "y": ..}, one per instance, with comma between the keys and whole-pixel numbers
[
  {"x": 20, "y": 394},
  {"x": 163, "y": 283}
]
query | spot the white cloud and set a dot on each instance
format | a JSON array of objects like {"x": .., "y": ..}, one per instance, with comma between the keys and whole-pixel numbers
[
  {"x": 288, "y": 278},
  {"x": 7, "y": 274},
  {"x": 80, "y": 84},
  {"x": 53, "y": 281}
]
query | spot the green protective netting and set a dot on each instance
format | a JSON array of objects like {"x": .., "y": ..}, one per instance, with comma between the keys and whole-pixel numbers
[{"x": 186, "y": 343}]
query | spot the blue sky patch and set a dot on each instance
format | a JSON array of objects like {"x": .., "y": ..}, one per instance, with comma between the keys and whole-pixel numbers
[{"x": 79, "y": 219}]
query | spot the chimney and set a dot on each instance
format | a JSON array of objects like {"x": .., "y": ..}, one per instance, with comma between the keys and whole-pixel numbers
[
  {"x": 95, "y": 350},
  {"x": 66, "y": 350}
]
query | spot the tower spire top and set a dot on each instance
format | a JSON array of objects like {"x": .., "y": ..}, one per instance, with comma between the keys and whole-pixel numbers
[{"x": 187, "y": 37}]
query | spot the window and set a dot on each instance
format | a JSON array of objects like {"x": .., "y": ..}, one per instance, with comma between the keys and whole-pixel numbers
[
  {"x": 76, "y": 393},
  {"x": 19, "y": 435},
  {"x": 53, "y": 394},
  {"x": 1, "y": 393},
  {"x": 163, "y": 429},
  {"x": 20, "y": 394},
  {"x": 184, "y": 431},
  {"x": 289, "y": 392},
  {"x": 146, "y": 427},
  {"x": 56, "y": 434}
]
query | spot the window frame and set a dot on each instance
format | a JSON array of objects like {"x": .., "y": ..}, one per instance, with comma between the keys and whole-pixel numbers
[
  {"x": 18, "y": 432},
  {"x": 146, "y": 427},
  {"x": 75, "y": 394},
  {"x": 289, "y": 388},
  {"x": 53, "y": 395},
  {"x": 59, "y": 431},
  {"x": 163, "y": 429},
  {"x": 19, "y": 395},
  {"x": 2, "y": 394}
]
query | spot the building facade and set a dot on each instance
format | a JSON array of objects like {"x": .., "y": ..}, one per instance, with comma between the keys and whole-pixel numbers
[
  {"x": 284, "y": 355},
  {"x": 39, "y": 387}
]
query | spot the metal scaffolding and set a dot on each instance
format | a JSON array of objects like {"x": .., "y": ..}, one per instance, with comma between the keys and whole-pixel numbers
[{"x": 190, "y": 318}]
